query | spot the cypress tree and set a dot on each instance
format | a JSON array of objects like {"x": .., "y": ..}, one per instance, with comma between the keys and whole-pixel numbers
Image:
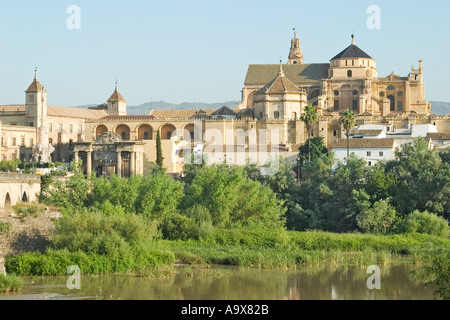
[{"x": 159, "y": 154}]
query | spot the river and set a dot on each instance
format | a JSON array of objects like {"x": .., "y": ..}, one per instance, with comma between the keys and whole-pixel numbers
[{"x": 232, "y": 283}]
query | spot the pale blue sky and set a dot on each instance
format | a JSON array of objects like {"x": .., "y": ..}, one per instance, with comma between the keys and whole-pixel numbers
[{"x": 199, "y": 50}]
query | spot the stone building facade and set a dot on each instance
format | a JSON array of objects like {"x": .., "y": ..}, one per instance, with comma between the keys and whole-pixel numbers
[{"x": 267, "y": 118}]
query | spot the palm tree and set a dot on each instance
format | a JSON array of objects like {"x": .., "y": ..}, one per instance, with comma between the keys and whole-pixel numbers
[
  {"x": 309, "y": 116},
  {"x": 348, "y": 119}
]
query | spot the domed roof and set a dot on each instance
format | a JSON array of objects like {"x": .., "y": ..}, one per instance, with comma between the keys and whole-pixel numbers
[{"x": 352, "y": 52}]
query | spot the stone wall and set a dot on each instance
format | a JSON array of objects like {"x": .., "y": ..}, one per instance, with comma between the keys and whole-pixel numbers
[{"x": 27, "y": 235}]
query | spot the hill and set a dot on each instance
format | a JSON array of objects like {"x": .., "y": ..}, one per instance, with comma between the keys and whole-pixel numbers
[{"x": 440, "y": 108}]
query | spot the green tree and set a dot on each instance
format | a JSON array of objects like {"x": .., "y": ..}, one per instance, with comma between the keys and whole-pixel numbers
[
  {"x": 159, "y": 196},
  {"x": 309, "y": 117},
  {"x": 422, "y": 180},
  {"x": 233, "y": 199},
  {"x": 159, "y": 153},
  {"x": 379, "y": 218},
  {"x": 348, "y": 119}
]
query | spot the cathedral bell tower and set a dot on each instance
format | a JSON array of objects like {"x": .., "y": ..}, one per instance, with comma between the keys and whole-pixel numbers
[{"x": 295, "y": 55}]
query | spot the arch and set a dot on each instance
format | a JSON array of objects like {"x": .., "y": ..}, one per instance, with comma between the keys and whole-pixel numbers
[
  {"x": 24, "y": 197},
  {"x": 145, "y": 132},
  {"x": 8, "y": 203},
  {"x": 191, "y": 129},
  {"x": 392, "y": 99},
  {"x": 123, "y": 131},
  {"x": 349, "y": 73},
  {"x": 100, "y": 129},
  {"x": 167, "y": 131},
  {"x": 250, "y": 99}
]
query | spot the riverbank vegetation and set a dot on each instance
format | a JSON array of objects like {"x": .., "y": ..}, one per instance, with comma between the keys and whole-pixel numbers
[
  {"x": 10, "y": 283},
  {"x": 332, "y": 213}
]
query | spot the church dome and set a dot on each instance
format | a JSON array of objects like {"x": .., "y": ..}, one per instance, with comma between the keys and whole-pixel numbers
[{"x": 352, "y": 52}]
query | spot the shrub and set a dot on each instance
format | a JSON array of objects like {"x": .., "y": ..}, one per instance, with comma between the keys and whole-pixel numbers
[
  {"x": 25, "y": 210},
  {"x": 10, "y": 283},
  {"x": 5, "y": 227},
  {"x": 379, "y": 218},
  {"x": 427, "y": 223},
  {"x": 95, "y": 232},
  {"x": 179, "y": 227}
]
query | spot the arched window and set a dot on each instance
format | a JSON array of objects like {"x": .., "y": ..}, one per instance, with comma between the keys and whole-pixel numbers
[
  {"x": 276, "y": 115},
  {"x": 349, "y": 73},
  {"x": 392, "y": 98}
]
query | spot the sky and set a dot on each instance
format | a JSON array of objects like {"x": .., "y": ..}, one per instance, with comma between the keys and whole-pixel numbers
[{"x": 200, "y": 50}]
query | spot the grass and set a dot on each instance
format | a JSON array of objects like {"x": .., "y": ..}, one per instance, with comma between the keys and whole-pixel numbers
[
  {"x": 264, "y": 249},
  {"x": 10, "y": 283},
  {"x": 6, "y": 227}
]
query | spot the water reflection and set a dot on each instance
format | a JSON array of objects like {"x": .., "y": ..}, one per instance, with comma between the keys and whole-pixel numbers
[{"x": 231, "y": 283}]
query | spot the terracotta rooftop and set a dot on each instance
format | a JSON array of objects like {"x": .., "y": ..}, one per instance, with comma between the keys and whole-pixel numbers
[
  {"x": 364, "y": 143},
  {"x": 181, "y": 113},
  {"x": 116, "y": 97},
  {"x": 281, "y": 84},
  {"x": 55, "y": 111}
]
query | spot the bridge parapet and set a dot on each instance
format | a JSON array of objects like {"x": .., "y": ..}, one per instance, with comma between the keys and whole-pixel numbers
[{"x": 19, "y": 177}]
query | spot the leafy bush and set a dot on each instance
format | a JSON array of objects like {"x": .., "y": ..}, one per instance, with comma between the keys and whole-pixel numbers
[
  {"x": 427, "y": 223},
  {"x": 179, "y": 227},
  {"x": 10, "y": 283},
  {"x": 25, "y": 210},
  {"x": 97, "y": 233},
  {"x": 379, "y": 218}
]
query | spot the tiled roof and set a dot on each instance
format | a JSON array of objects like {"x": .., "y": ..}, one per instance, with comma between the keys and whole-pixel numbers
[
  {"x": 299, "y": 74},
  {"x": 116, "y": 96},
  {"x": 12, "y": 108},
  {"x": 181, "y": 113},
  {"x": 128, "y": 118},
  {"x": 75, "y": 112},
  {"x": 352, "y": 52},
  {"x": 364, "y": 143},
  {"x": 248, "y": 112},
  {"x": 67, "y": 112},
  {"x": 224, "y": 111},
  {"x": 280, "y": 84},
  {"x": 369, "y": 133},
  {"x": 35, "y": 86},
  {"x": 438, "y": 135}
]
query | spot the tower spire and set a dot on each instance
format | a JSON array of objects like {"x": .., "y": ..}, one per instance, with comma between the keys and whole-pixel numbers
[
  {"x": 35, "y": 73},
  {"x": 353, "y": 39},
  {"x": 295, "y": 54}
]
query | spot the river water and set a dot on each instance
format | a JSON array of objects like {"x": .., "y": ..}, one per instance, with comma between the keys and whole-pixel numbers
[{"x": 232, "y": 283}]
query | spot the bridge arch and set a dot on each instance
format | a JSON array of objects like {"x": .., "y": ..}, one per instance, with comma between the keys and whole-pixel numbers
[{"x": 8, "y": 203}]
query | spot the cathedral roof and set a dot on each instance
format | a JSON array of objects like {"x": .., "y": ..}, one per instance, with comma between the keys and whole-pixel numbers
[
  {"x": 246, "y": 113},
  {"x": 224, "y": 111},
  {"x": 352, "y": 52},
  {"x": 299, "y": 74},
  {"x": 281, "y": 84}
]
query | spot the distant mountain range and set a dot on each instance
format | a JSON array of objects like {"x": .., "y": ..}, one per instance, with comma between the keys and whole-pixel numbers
[
  {"x": 440, "y": 108},
  {"x": 437, "y": 107}
]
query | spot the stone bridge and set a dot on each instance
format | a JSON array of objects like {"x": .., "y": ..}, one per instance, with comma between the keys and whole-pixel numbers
[{"x": 16, "y": 188}]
